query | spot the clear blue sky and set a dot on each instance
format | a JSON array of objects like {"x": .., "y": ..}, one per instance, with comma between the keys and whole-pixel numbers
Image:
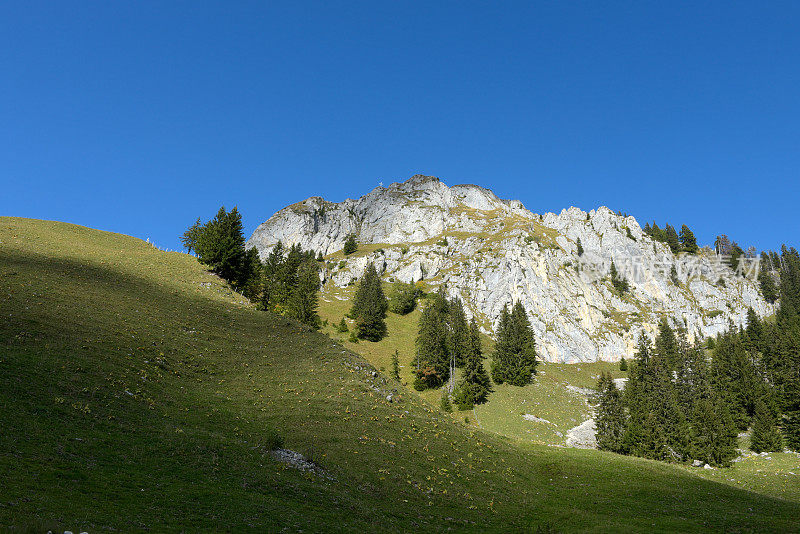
[{"x": 138, "y": 117}]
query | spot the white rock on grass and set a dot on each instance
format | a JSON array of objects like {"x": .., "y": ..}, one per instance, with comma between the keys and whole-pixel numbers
[
  {"x": 582, "y": 436},
  {"x": 491, "y": 252}
]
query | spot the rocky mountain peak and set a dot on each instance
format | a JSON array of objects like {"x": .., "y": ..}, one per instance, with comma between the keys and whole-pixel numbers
[{"x": 490, "y": 252}]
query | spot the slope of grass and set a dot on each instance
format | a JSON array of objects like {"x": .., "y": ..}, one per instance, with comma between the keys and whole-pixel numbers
[{"x": 138, "y": 393}]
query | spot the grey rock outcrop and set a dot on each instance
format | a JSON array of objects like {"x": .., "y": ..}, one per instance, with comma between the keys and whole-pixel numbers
[{"x": 491, "y": 252}]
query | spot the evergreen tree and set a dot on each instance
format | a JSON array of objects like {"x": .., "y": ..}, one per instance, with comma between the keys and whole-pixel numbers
[
  {"x": 623, "y": 365},
  {"x": 580, "y": 247},
  {"x": 769, "y": 290},
  {"x": 671, "y": 239},
  {"x": 320, "y": 258},
  {"x": 302, "y": 304},
  {"x": 458, "y": 341},
  {"x": 220, "y": 245},
  {"x": 619, "y": 283},
  {"x": 350, "y": 245},
  {"x": 369, "y": 306},
  {"x": 342, "y": 326},
  {"x": 515, "y": 351},
  {"x": 432, "y": 360},
  {"x": 735, "y": 254},
  {"x": 764, "y": 436},
  {"x": 396, "y": 365},
  {"x": 270, "y": 270},
  {"x": 688, "y": 241},
  {"x": 475, "y": 385},
  {"x": 735, "y": 377},
  {"x": 610, "y": 418},
  {"x": 192, "y": 235},
  {"x": 713, "y": 433}
]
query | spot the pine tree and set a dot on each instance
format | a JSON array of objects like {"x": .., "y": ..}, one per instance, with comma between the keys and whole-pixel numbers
[
  {"x": 445, "y": 403},
  {"x": 580, "y": 247},
  {"x": 688, "y": 241},
  {"x": 515, "y": 351},
  {"x": 764, "y": 436},
  {"x": 458, "y": 333},
  {"x": 350, "y": 245},
  {"x": 623, "y": 365},
  {"x": 735, "y": 377},
  {"x": 302, "y": 304},
  {"x": 610, "y": 419},
  {"x": 475, "y": 385},
  {"x": 342, "y": 326},
  {"x": 369, "y": 306}
]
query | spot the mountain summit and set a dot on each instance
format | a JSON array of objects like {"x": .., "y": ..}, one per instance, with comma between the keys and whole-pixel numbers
[{"x": 491, "y": 251}]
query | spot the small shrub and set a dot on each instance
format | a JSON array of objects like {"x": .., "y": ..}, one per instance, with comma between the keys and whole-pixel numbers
[
  {"x": 353, "y": 337},
  {"x": 445, "y": 404}
]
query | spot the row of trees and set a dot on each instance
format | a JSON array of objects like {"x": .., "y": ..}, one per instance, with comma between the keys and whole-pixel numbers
[
  {"x": 683, "y": 242},
  {"x": 679, "y": 405},
  {"x": 287, "y": 282}
]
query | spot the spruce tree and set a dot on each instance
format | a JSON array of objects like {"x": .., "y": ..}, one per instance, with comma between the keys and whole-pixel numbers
[
  {"x": 458, "y": 333},
  {"x": 432, "y": 362},
  {"x": 580, "y": 247},
  {"x": 673, "y": 275},
  {"x": 515, "y": 351},
  {"x": 610, "y": 418},
  {"x": 369, "y": 306},
  {"x": 714, "y": 435},
  {"x": 350, "y": 245},
  {"x": 671, "y": 239},
  {"x": 192, "y": 235},
  {"x": 302, "y": 304},
  {"x": 623, "y": 365},
  {"x": 619, "y": 283},
  {"x": 475, "y": 385},
  {"x": 688, "y": 241},
  {"x": 769, "y": 290},
  {"x": 764, "y": 436},
  {"x": 220, "y": 245}
]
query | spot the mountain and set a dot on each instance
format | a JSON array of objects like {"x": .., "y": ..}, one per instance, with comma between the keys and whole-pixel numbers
[{"x": 491, "y": 251}]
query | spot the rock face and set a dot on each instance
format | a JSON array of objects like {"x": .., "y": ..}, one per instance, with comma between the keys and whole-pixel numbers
[{"x": 491, "y": 252}]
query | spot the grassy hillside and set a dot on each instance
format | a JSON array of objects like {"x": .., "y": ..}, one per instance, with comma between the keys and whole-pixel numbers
[{"x": 137, "y": 393}]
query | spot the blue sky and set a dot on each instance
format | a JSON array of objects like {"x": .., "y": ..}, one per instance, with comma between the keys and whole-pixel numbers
[{"x": 138, "y": 117}]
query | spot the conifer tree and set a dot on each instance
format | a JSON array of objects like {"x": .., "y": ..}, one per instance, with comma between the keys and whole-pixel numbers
[
  {"x": 220, "y": 245},
  {"x": 610, "y": 418},
  {"x": 432, "y": 360},
  {"x": 475, "y": 385},
  {"x": 764, "y": 436},
  {"x": 713, "y": 432},
  {"x": 671, "y": 239},
  {"x": 619, "y": 283},
  {"x": 580, "y": 247},
  {"x": 688, "y": 241},
  {"x": 769, "y": 290},
  {"x": 369, "y": 306},
  {"x": 458, "y": 333},
  {"x": 623, "y": 365},
  {"x": 192, "y": 235},
  {"x": 673, "y": 275},
  {"x": 302, "y": 304},
  {"x": 350, "y": 245},
  {"x": 396, "y": 365},
  {"x": 515, "y": 351}
]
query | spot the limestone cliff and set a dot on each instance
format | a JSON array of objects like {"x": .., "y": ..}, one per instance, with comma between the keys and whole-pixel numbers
[{"x": 491, "y": 251}]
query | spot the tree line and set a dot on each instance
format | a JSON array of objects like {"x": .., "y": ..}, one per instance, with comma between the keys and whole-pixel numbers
[{"x": 687, "y": 402}]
